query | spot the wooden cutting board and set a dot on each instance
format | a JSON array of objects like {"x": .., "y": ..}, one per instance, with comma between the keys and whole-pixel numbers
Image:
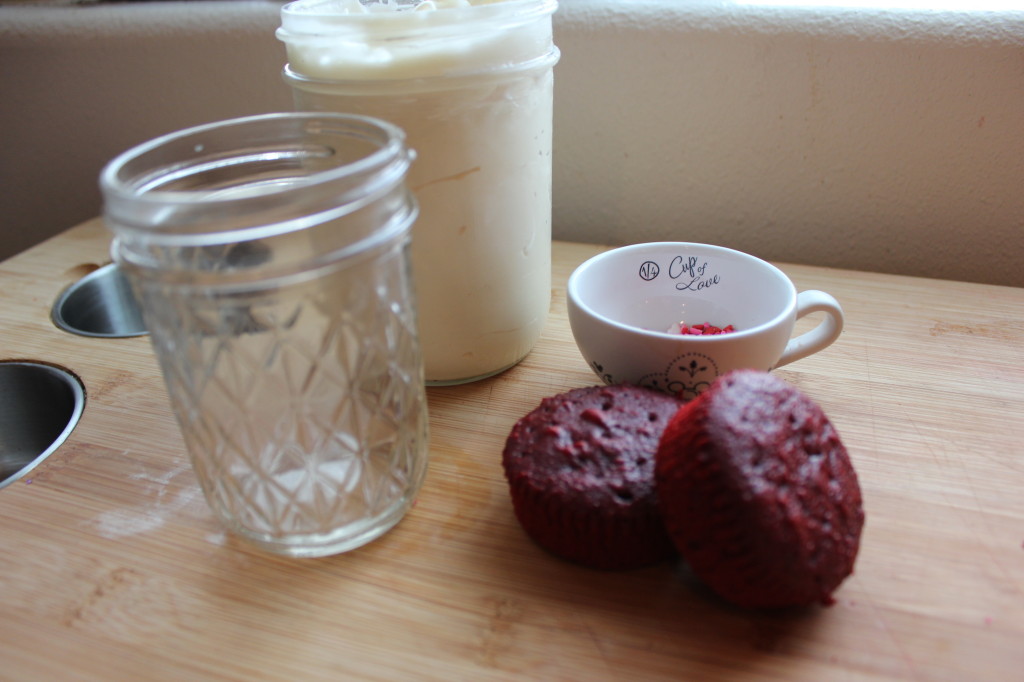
[{"x": 112, "y": 568}]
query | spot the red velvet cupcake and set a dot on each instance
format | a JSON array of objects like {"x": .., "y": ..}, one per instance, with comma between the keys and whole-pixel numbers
[
  {"x": 580, "y": 469},
  {"x": 758, "y": 493}
]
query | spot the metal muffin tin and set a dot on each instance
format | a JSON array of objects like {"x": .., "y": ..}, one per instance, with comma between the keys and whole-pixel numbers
[
  {"x": 40, "y": 405},
  {"x": 100, "y": 304}
]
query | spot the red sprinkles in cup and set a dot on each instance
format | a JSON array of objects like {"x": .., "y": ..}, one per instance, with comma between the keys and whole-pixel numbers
[{"x": 705, "y": 329}]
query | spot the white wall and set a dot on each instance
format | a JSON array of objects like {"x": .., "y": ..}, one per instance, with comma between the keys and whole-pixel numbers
[
  {"x": 79, "y": 84},
  {"x": 878, "y": 140},
  {"x": 881, "y": 140}
]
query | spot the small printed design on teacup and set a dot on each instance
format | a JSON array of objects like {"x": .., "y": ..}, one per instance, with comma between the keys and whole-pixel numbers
[
  {"x": 687, "y": 376},
  {"x": 599, "y": 370},
  {"x": 688, "y": 273}
]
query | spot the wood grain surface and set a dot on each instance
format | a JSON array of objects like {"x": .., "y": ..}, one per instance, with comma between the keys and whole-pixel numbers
[{"x": 112, "y": 568}]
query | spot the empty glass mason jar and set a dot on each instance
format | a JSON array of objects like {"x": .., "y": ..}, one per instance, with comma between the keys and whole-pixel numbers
[
  {"x": 270, "y": 257},
  {"x": 470, "y": 82}
]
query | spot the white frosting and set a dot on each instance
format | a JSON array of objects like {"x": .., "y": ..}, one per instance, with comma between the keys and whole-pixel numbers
[{"x": 350, "y": 40}]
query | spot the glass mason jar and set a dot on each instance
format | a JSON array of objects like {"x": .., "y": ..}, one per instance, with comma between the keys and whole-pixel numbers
[
  {"x": 470, "y": 82},
  {"x": 270, "y": 257}
]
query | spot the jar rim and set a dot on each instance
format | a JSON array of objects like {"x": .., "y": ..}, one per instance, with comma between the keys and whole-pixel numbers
[
  {"x": 126, "y": 194},
  {"x": 111, "y": 180},
  {"x": 410, "y": 84}
]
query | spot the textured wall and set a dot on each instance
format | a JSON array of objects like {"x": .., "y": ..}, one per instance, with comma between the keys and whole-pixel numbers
[
  {"x": 81, "y": 84},
  {"x": 879, "y": 140},
  {"x": 889, "y": 141}
]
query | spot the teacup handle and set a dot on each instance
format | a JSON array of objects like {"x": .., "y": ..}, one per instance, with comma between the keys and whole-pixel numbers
[{"x": 827, "y": 331}]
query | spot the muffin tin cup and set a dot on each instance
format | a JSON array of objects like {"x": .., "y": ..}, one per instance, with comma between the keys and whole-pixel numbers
[
  {"x": 40, "y": 405},
  {"x": 101, "y": 304}
]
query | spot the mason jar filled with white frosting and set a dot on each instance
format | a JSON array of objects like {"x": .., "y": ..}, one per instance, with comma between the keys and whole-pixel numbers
[{"x": 470, "y": 83}]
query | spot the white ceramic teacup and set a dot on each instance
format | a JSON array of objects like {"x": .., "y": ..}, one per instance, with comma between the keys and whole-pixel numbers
[{"x": 623, "y": 302}]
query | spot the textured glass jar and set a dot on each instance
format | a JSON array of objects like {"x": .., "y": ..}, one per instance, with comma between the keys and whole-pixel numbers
[
  {"x": 270, "y": 257},
  {"x": 470, "y": 82}
]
